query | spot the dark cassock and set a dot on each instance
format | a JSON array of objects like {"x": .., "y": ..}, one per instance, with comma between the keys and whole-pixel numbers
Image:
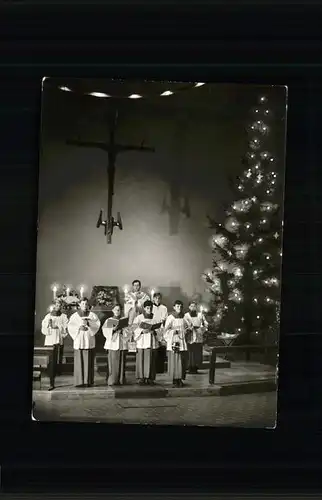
[
  {"x": 198, "y": 326},
  {"x": 54, "y": 327},
  {"x": 175, "y": 331},
  {"x": 82, "y": 327},
  {"x": 160, "y": 314}
]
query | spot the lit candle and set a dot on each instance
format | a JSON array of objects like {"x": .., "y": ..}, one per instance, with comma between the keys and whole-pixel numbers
[
  {"x": 67, "y": 291},
  {"x": 152, "y": 292},
  {"x": 55, "y": 288},
  {"x": 125, "y": 289},
  {"x": 81, "y": 292},
  {"x": 200, "y": 312}
]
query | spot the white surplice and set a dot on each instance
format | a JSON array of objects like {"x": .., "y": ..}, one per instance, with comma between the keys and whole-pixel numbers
[
  {"x": 115, "y": 340},
  {"x": 175, "y": 331},
  {"x": 144, "y": 340},
  {"x": 198, "y": 325},
  {"x": 160, "y": 314},
  {"x": 54, "y": 328},
  {"x": 83, "y": 339}
]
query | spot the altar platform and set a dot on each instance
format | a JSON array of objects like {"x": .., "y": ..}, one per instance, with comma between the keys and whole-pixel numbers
[
  {"x": 41, "y": 359},
  {"x": 239, "y": 378}
]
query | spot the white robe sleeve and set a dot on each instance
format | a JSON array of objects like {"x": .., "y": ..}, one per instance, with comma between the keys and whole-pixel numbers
[
  {"x": 188, "y": 321},
  {"x": 93, "y": 324},
  {"x": 74, "y": 325},
  {"x": 107, "y": 332},
  {"x": 136, "y": 329},
  {"x": 168, "y": 329},
  {"x": 105, "y": 329},
  {"x": 45, "y": 325},
  {"x": 186, "y": 324}
]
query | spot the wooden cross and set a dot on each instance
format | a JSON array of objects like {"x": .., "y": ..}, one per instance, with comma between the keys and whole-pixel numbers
[{"x": 112, "y": 149}]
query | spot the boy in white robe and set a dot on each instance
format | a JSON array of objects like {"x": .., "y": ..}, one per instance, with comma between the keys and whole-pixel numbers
[
  {"x": 146, "y": 343},
  {"x": 160, "y": 314},
  {"x": 175, "y": 331},
  {"x": 54, "y": 327},
  {"x": 198, "y": 326},
  {"x": 82, "y": 327},
  {"x": 116, "y": 345},
  {"x": 134, "y": 300}
]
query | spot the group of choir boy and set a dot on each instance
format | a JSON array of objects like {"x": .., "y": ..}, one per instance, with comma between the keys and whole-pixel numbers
[{"x": 146, "y": 327}]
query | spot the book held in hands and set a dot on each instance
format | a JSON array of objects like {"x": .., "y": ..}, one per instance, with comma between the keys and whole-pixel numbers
[
  {"x": 149, "y": 326},
  {"x": 114, "y": 322}
]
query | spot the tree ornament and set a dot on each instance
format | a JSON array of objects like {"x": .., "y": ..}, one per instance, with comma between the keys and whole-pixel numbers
[
  {"x": 241, "y": 251},
  {"x": 255, "y": 144},
  {"x": 264, "y": 155},
  {"x": 220, "y": 240},
  {"x": 237, "y": 271},
  {"x": 232, "y": 225}
]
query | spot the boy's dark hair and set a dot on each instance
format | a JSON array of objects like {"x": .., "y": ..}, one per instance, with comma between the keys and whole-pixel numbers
[
  {"x": 117, "y": 304},
  {"x": 85, "y": 299},
  {"x": 157, "y": 294},
  {"x": 148, "y": 303},
  {"x": 136, "y": 281},
  {"x": 178, "y": 302},
  {"x": 192, "y": 302}
]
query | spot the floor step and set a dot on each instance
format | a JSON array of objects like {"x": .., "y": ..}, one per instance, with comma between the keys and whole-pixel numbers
[
  {"x": 101, "y": 366},
  {"x": 158, "y": 391}
]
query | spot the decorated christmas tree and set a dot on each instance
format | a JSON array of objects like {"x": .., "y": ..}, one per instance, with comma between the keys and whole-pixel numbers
[{"x": 247, "y": 247}]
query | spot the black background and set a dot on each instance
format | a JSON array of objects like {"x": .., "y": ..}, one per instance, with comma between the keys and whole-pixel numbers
[{"x": 255, "y": 44}]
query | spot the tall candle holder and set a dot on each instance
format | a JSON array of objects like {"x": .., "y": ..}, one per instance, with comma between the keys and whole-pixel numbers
[{"x": 55, "y": 289}]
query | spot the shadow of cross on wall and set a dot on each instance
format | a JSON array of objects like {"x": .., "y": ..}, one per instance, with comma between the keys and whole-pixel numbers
[{"x": 175, "y": 201}]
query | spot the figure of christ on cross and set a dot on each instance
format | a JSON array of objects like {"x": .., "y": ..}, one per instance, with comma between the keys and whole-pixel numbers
[{"x": 112, "y": 149}]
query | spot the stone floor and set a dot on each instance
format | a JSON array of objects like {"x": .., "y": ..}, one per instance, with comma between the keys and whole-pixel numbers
[
  {"x": 249, "y": 390},
  {"x": 244, "y": 410}
]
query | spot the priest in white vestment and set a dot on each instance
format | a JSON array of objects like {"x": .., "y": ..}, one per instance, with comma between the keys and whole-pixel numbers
[
  {"x": 198, "y": 326},
  {"x": 134, "y": 300},
  {"x": 82, "y": 327},
  {"x": 54, "y": 327},
  {"x": 175, "y": 331}
]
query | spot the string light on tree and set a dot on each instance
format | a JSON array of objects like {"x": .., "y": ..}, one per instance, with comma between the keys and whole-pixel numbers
[{"x": 252, "y": 236}]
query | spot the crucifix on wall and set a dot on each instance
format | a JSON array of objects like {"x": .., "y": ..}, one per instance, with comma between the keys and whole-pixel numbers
[{"x": 113, "y": 149}]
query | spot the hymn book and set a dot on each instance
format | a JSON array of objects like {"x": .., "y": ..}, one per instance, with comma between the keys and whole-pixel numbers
[
  {"x": 148, "y": 326},
  {"x": 114, "y": 322}
]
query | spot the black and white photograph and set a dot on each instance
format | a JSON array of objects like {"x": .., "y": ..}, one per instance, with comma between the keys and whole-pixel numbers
[{"x": 159, "y": 252}]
